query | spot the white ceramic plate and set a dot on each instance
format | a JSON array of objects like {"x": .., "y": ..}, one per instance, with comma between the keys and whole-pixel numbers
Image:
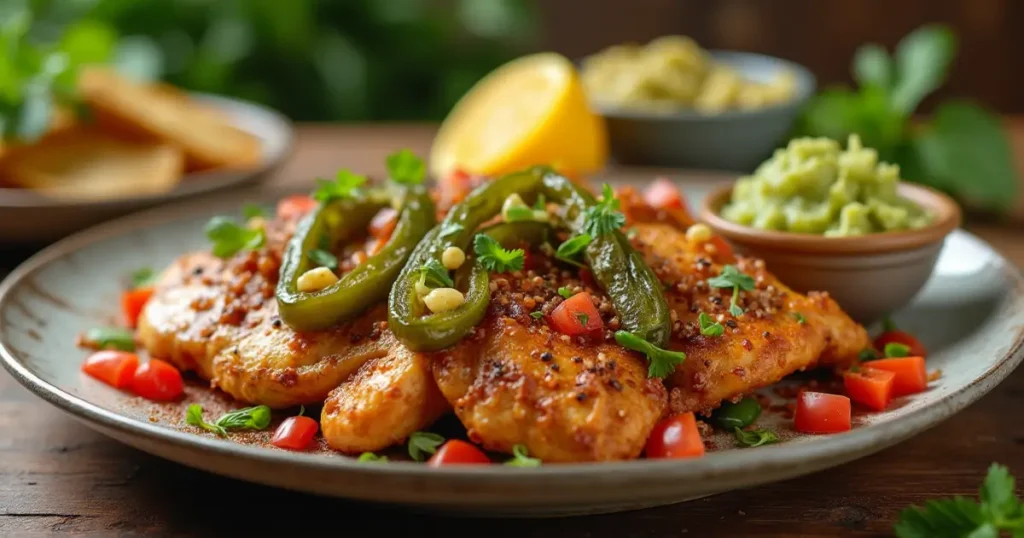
[
  {"x": 27, "y": 216},
  {"x": 970, "y": 316}
]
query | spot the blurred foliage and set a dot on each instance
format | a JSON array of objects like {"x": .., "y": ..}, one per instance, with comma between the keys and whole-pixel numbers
[{"x": 314, "y": 60}]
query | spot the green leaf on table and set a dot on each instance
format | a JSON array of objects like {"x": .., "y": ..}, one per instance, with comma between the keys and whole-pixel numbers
[
  {"x": 964, "y": 151},
  {"x": 922, "y": 58},
  {"x": 872, "y": 66}
]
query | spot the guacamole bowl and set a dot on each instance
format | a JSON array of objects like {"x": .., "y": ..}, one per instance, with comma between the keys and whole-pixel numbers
[
  {"x": 733, "y": 140},
  {"x": 870, "y": 276}
]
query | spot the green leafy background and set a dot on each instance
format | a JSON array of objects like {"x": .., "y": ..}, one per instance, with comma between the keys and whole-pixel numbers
[{"x": 314, "y": 60}]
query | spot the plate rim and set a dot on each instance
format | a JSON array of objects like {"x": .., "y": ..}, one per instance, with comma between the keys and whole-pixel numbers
[
  {"x": 786, "y": 459},
  {"x": 192, "y": 184}
]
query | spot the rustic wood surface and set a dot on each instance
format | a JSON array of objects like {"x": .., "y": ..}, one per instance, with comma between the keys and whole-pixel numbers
[{"x": 57, "y": 476}]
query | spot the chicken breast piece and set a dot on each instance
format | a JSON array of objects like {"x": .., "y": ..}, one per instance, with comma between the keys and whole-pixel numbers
[
  {"x": 780, "y": 331},
  {"x": 516, "y": 381},
  {"x": 387, "y": 399}
]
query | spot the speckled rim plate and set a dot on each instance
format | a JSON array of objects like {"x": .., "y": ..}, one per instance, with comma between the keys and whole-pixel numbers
[{"x": 993, "y": 347}]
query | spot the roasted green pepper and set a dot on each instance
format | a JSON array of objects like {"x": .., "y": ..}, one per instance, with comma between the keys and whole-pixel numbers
[
  {"x": 632, "y": 286},
  {"x": 367, "y": 284}
]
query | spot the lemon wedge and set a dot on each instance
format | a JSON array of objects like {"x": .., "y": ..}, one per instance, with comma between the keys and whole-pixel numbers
[{"x": 530, "y": 111}]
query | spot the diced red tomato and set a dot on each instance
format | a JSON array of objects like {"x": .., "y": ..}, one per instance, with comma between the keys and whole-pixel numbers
[
  {"x": 376, "y": 246},
  {"x": 383, "y": 223},
  {"x": 819, "y": 412},
  {"x": 295, "y": 206},
  {"x": 158, "y": 381},
  {"x": 576, "y": 315},
  {"x": 455, "y": 451},
  {"x": 132, "y": 303},
  {"x": 870, "y": 388},
  {"x": 454, "y": 188},
  {"x": 663, "y": 194},
  {"x": 723, "y": 248},
  {"x": 911, "y": 375},
  {"x": 901, "y": 337},
  {"x": 295, "y": 433},
  {"x": 529, "y": 260},
  {"x": 675, "y": 437},
  {"x": 115, "y": 368}
]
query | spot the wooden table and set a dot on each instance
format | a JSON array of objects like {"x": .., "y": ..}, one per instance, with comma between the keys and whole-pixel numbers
[{"x": 57, "y": 476}]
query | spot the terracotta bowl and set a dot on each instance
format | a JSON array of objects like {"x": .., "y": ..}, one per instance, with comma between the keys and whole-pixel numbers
[{"x": 869, "y": 276}]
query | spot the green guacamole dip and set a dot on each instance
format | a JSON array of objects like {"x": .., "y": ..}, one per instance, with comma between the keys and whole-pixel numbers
[{"x": 814, "y": 186}]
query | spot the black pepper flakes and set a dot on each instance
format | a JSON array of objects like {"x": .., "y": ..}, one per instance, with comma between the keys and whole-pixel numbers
[
  {"x": 554, "y": 367},
  {"x": 766, "y": 334},
  {"x": 577, "y": 360},
  {"x": 731, "y": 323},
  {"x": 615, "y": 384},
  {"x": 546, "y": 356},
  {"x": 580, "y": 396},
  {"x": 276, "y": 323}
]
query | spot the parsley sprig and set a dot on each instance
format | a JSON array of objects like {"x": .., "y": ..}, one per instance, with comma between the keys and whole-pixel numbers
[
  {"x": 249, "y": 418},
  {"x": 494, "y": 258},
  {"x": 345, "y": 185},
  {"x": 110, "y": 338},
  {"x": 405, "y": 168},
  {"x": 754, "y": 438},
  {"x": 423, "y": 443},
  {"x": 998, "y": 510},
  {"x": 896, "y": 350},
  {"x": 661, "y": 362},
  {"x": 731, "y": 277},
  {"x": 708, "y": 326},
  {"x": 229, "y": 237},
  {"x": 143, "y": 277},
  {"x": 603, "y": 217},
  {"x": 370, "y": 457}
]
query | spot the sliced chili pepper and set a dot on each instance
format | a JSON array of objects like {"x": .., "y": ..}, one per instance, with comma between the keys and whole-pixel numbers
[{"x": 369, "y": 282}]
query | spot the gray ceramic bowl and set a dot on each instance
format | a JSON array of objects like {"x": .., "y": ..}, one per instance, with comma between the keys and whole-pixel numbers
[{"x": 733, "y": 140}]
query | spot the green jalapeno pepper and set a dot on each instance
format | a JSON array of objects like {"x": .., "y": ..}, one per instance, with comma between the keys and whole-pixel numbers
[
  {"x": 634, "y": 290},
  {"x": 368, "y": 283}
]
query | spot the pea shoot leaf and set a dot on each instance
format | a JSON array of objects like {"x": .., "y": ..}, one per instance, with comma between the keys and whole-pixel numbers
[
  {"x": 896, "y": 350},
  {"x": 521, "y": 458},
  {"x": 755, "y": 438},
  {"x": 422, "y": 443},
  {"x": 661, "y": 362},
  {"x": 143, "y": 277},
  {"x": 709, "y": 327},
  {"x": 111, "y": 338},
  {"x": 570, "y": 248},
  {"x": 370, "y": 457},
  {"x": 248, "y": 418},
  {"x": 250, "y": 211},
  {"x": 194, "y": 417}
]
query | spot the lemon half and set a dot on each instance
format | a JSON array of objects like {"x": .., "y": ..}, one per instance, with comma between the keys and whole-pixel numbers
[{"x": 530, "y": 111}]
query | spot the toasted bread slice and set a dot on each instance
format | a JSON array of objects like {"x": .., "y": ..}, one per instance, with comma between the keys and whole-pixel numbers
[
  {"x": 148, "y": 111},
  {"x": 90, "y": 165}
]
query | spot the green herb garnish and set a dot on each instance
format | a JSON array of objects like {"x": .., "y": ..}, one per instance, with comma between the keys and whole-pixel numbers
[
  {"x": 228, "y": 237},
  {"x": 755, "y": 438},
  {"x": 143, "y": 277},
  {"x": 494, "y": 258},
  {"x": 434, "y": 275},
  {"x": 521, "y": 458},
  {"x": 896, "y": 350},
  {"x": 370, "y": 457},
  {"x": 111, "y": 338},
  {"x": 998, "y": 510},
  {"x": 405, "y": 168},
  {"x": 250, "y": 211},
  {"x": 423, "y": 443},
  {"x": 799, "y": 317},
  {"x": 731, "y": 277},
  {"x": 603, "y": 217},
  {"x": 345, "y": 185},
  {"x": 867, "y": 355},
  {"x": 583, "y": 317},
  {"x": 572, "y": 247},
  {"x": 323, "y": 258},
  {"x": 709, "y": 327},
  {"x": 565, "y": 292},
  {"x": 537, "y": 315},
  {"x": 249, "y": 418},
  {"x": 661, "y": 362},
  {"x": 519, "y": 213}
]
